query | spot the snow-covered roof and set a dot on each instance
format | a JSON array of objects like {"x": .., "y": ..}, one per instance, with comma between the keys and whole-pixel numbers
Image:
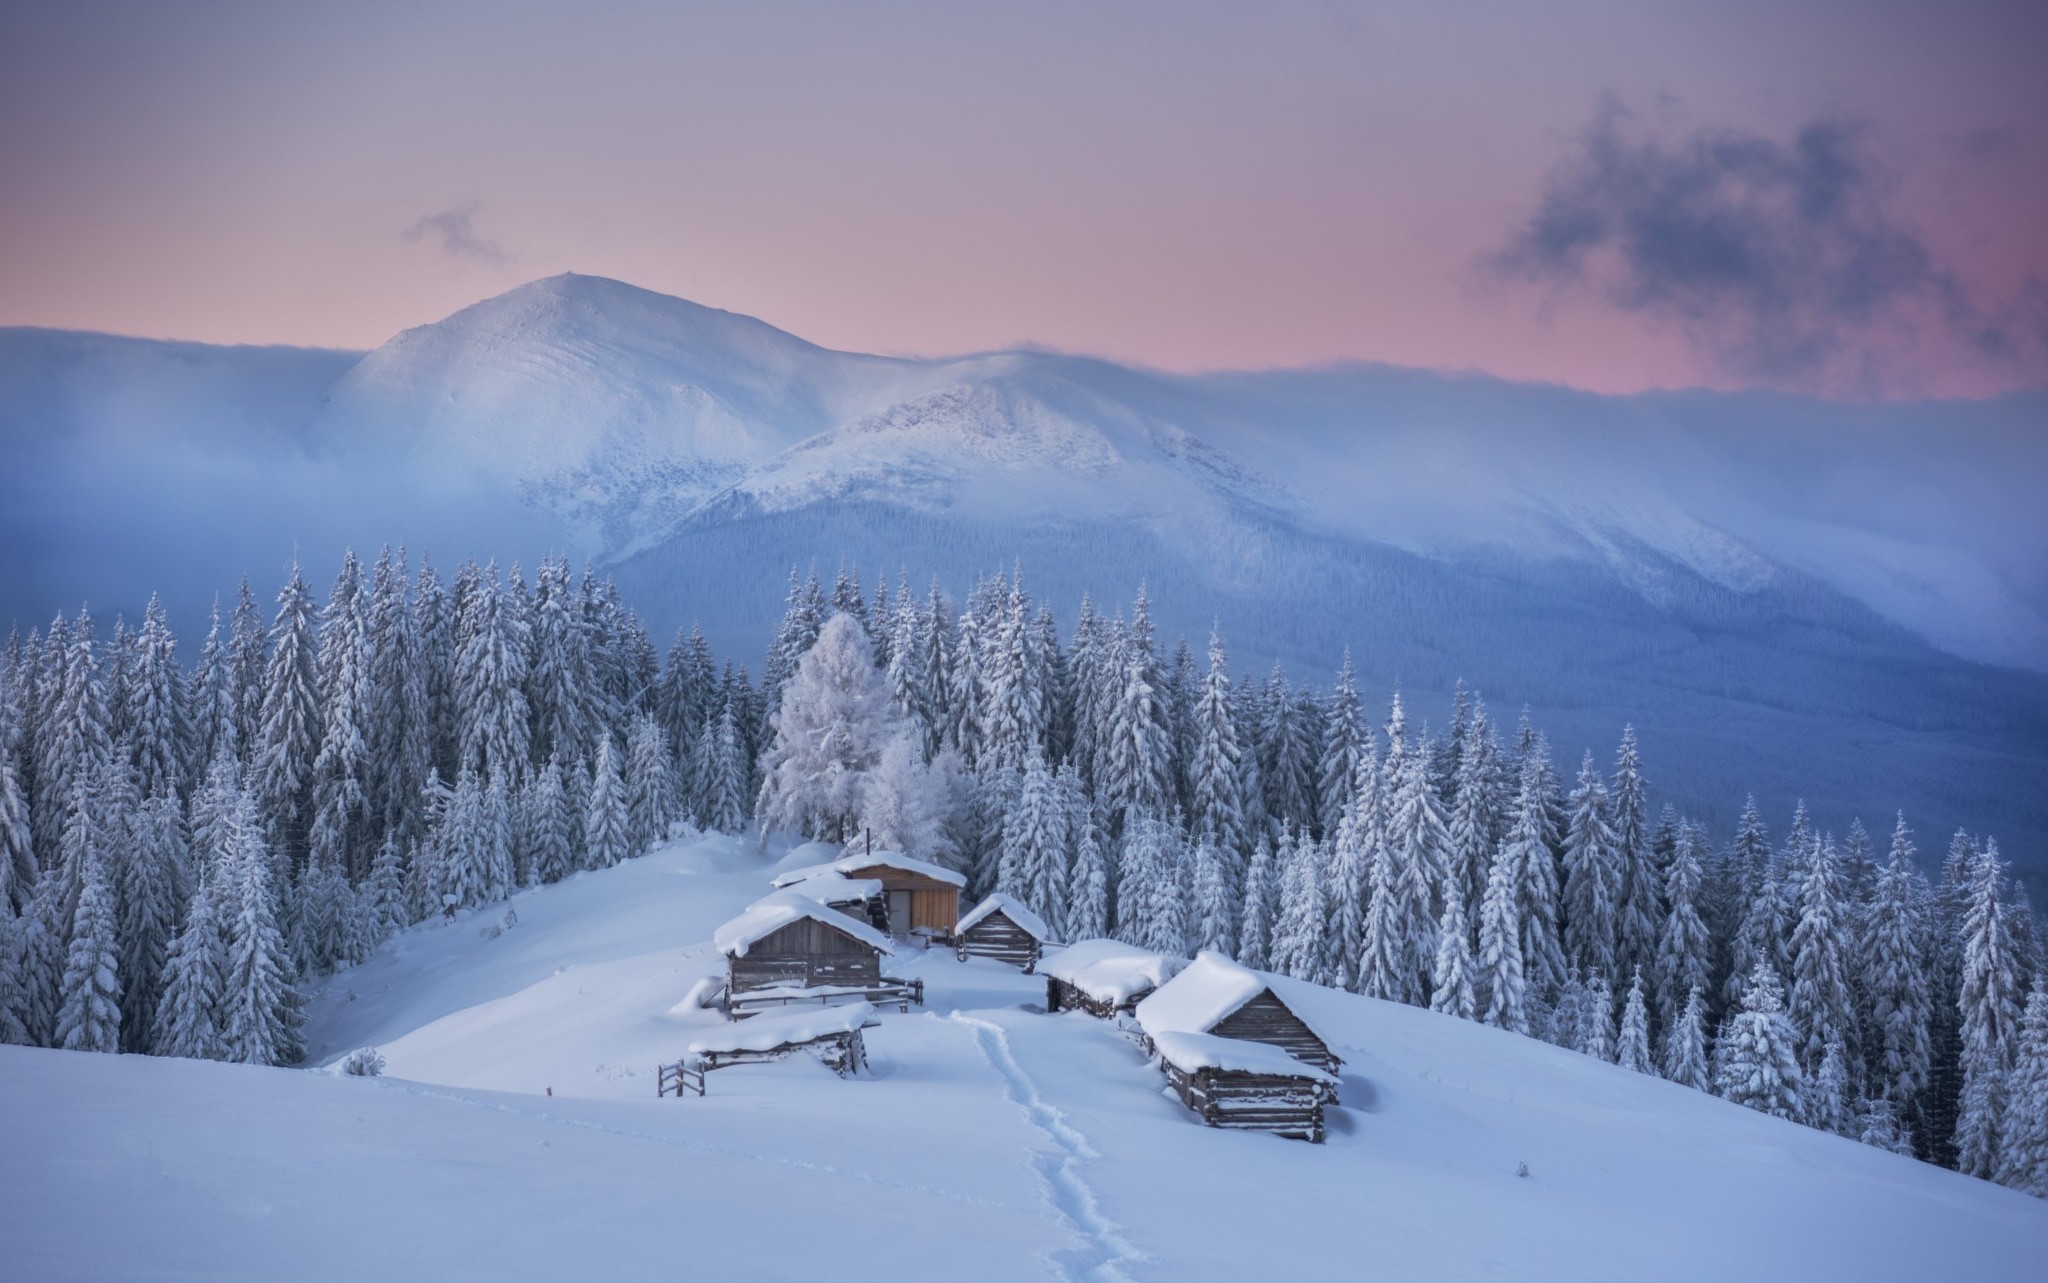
[
  {"x": 771, "y": 913},
  {"x": 869, "y": 860},
  {"x": 1201, "y": 996},
  {"x": 766, "y": 1033},
  {"x": 1013, "y": 909},
  {"x": 1110, "y": 970},
  {"x": 837, "y": 888},
  {"x": 1189, "y": 1052}
]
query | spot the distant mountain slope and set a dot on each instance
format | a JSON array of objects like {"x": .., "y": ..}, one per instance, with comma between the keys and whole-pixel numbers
[{"x": 1761, "y": 579}]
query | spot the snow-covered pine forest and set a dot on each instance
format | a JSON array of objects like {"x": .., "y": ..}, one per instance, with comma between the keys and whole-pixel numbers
[{"x": 182, "y": 846}]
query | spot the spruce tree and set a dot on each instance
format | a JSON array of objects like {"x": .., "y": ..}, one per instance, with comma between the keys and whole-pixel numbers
[
  {"x": 259, "y": 1007},
  {"x": 1346, "y": 741},
  {"x": 158, "y": 736},
  {"x": 1820, "y": 1007},
  {"x": 1502, "y": 982},
  {"x": 1215, "y": 774},
  {"x": 1592, "y": 876},
  {"x": 1087, "y": 916},
  {"x": 289, "y": 732},
  {"x": 341, "y": 827},
  {"x": 1632, "y": 1044},
  {"x": 1989, "y": 1004},
  {"x": 650, "y": 784},
  {"x": 1685, "y": 1051},
  {"x": 1476, "y": 819},
  {"x": 490, "y": 682},
  {"x": 1451, "y": 977},
  {"x": 2023, "y": 1155},
  {"x": 90, "y": 1018},
  {"x": 1215, "y": 911},
  {"x": 1138, "y": 766},
  {"x": 607, "y": 836},
  {"x": 1684, "y": 950},
  {"x": 1596, "y": 1018},
  {"x": 150, "y": 891},
  {"x": 1757, "y": 1064},
  {"x": 1639, "y": 908},
  {"x": 187, "y": 1016},
  {"x": 1828, "y": 1097},
  {"x": 1527, "y": 849},
  {"x": 1261, "y": 904}
]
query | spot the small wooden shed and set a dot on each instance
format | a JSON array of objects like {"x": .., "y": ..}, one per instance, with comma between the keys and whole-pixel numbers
[
  {"x": 1004, "y": 928},
  {"x": 1214, "y": 995},
  {"x": 916, "y": 895},
  {"x": 1103, "y": 977},
  {"x": 1236, "y": 1053},
  {"x": 789, "y": 940}
]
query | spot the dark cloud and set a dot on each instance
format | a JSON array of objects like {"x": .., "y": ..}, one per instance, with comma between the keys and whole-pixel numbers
[
  {"x": 455, "y": 231},
  {"x": 1782, "y": 261}
]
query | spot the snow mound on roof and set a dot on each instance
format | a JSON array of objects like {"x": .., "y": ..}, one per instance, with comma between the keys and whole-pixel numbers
[
  {"x": 869, "y": 860},
  {"x": 1207, "y": 991},
  {"x": 1110, "y": 970},
  {"x": 766, "y": 1033},
  {"x": 836, "y": 888},
  {"x": 771, "y": 913},
  {"x": 1189, "y": 1052},
  {"x": 1013, "y": 909}
]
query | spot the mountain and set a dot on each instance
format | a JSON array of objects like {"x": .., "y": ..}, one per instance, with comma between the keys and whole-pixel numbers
[
  {"x": 516, "y": 1134},
  {"x": 1844, "y": 601}
]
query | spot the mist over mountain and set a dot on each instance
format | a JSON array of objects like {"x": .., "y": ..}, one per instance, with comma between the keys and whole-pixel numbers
[{"x": 1845, "y": 601}]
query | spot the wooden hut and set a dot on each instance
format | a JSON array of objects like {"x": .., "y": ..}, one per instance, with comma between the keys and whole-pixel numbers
[
  {"x": 1103, "y": 977},
  {"x": 1236, "y": 1053},
  {"x": 1004, "y": 928},
  {"x": 791, "y": 941},
  {"x": 917, "y": 897}
]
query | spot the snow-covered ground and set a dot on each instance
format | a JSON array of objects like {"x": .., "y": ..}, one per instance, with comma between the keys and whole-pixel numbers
[{"x": 990, "y": 1139}]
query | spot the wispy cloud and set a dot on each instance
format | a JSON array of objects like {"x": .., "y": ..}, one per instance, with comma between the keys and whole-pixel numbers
[
  {"x": 454, "y": 230},
  {"x": 1782, "y": 261}
]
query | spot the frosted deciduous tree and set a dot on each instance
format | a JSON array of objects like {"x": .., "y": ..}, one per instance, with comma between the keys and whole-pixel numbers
[{"x": 834, "y": 721}]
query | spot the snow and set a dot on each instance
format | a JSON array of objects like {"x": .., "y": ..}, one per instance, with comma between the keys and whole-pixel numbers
[
  {"x": 777, "y": 910},
  {"x": 1206, "y": 991},
  {"x": 1010, "y": 907},
  {"x": 766, "y": 1033},
  {"x": 871, "y": 860},
  {"x": 1038, "y": 1146},
  {"x": 1110, "y": 970},
  {"x": 834, "y": 888},
  {"x": 1189, "y": 1052}
]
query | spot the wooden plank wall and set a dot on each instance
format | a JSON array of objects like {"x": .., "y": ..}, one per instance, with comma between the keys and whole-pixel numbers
[
  {"x": 1267, "y": 1019},
  {"x": 806, "y": 952},
  {"x": 995, "y": 936}
]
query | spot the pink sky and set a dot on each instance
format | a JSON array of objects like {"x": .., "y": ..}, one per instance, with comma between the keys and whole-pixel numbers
[{"x": 1184, "y": 185}]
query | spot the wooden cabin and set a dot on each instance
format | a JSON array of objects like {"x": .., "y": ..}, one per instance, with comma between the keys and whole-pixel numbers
[
  {"x": 1004, "y": 928},
  {"x": 1214, "y": 995},
  {"x": 1236, "y": 1053},
  {"x": 916, "y": 896},
  {"x": 1103, "y": 977},
  {"x": 789, "y": 940}
]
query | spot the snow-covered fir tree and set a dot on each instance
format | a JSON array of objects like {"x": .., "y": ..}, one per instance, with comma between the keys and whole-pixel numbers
[
  {"x": 1756, "y": 1060},
  {"x": 1592, "y": 876},
  {"x": 607, "y": 829},
  {"x": 1685, "y": 1044},
  {"x": 90, "y": 1017},
  {"x": 1451, "y": 977},
  {"x": 1632, "y": 1043}
]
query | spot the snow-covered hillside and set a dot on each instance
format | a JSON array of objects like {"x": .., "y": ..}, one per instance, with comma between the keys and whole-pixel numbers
[{"x": 990, "y": 1136}]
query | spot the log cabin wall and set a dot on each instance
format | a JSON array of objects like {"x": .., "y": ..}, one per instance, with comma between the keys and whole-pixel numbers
[
  {"x": 1268, "y": 1020},
  {"x": 806, "y": 952},
  {"x": 933, "y": 904},
  {"x": 995, "y": 936}
]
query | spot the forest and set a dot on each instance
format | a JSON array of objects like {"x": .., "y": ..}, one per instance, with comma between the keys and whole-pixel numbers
[{"x": 183, "y": 847}]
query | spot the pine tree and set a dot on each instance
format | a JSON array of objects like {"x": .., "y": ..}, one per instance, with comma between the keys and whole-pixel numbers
[
  {"x": 195, "y": 971},
  {"x": 1215, "y": 773},
  {"x": 1596, "y": 1019},
  {"x": 1138, "y": 766},
  {"x": 1451, "y": 978},
  {"x": 1286, "y": 764},
  {"x": 1989, "y": 1003},
  {"x": 1685, "y": 1050},
  {"x": 340, "y": 834},
  {"x": 490, "y": 682},
  {"x": 1087, "y": 916},
  {"x": 288, "y": 737},
  {"x": 607, "y": 836},
  {"x": 1215, "y": 911},
  {"x": 1639, "y": 909},
  {"x": 1684, "y": 950},
  {"x": 90, "y": 1018},
  {"x": 259, "y": 1007},
  {"x": 399, "y": 731},
  {"x": 1418, "y": 859},
  {"x": 1351, "y": 847},
  {"x": 1502, "y": 982},
  {"x": 725, "y": 775},
  {"x": 1527, "y": 849},
  {"x": 1477, "y": 816},
  {"x": 1632, "y": 1045},
  {"x": 1032, "y": 866},
  {"x": 1757, "y": 1065},
  {"x": 2023, "y": 1155},
  {"x": 1298, "y": 929},
  {"x": 1261, "y": 902},
  {"x": 552, "y": 825},
  {"x": 650, "y": 784},
  {"x": 1820, "y": 1007},
  {"x": 1878, "y": 1126},
  {"x": 1828, "y": 1095},
  {"x": 1346, "y": 740},
  {"x": 384, "y": 894},
  {"x": 1593, "y": 876},
  {"x": 158, "y": 735},
  {"x": 150, "y": 894},
  {"x": 211, "y": 700}
]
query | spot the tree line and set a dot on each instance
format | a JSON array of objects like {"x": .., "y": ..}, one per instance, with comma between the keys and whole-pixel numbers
[{"x": 181, "y": 849}]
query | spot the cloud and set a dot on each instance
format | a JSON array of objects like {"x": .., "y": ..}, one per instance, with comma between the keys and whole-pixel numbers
[
  {"x": 1783, "y": 262},
  {"x": 455, "y": 230}
]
